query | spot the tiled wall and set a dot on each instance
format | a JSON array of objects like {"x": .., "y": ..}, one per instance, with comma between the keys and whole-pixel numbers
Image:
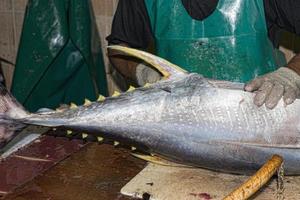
[
  {"x": 104, "y": 11},
  {"x": 11, "y": 20}
]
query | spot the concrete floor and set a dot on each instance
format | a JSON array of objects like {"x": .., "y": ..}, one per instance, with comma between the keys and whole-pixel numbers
[{"x": 95, "y": 172}]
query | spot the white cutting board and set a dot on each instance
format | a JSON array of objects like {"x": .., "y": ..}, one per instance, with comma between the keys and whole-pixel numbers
[{"x": 178, "y": 183}]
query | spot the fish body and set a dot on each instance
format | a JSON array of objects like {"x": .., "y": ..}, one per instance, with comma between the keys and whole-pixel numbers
[{"x": 186, "y": 119}]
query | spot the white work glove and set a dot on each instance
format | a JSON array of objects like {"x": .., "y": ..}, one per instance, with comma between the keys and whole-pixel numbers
[
  {"x": 271, "y": 87},
  {"x": 145, "y": 74}
]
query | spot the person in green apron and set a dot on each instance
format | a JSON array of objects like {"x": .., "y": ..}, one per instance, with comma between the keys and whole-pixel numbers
[
  {"x": 59, "y": 59},
  {"x": 232, "y": 40}
]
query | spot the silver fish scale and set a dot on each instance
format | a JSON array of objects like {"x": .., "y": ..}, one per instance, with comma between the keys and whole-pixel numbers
[
  {"x": 244, "y": 117},
  {"x": 195, "y": 122}
]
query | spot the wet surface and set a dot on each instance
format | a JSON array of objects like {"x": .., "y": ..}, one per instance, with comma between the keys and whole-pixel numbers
[
  {"x": 25, "y": 164},
  {"x": 95, "y": 172}
]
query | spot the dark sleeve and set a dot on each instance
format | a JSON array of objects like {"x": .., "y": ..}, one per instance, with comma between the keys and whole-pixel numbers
[
  {"x": 282, "y": 15},
  {"x": 131, "y": 25},
  {"x": 200, "y": 9}
]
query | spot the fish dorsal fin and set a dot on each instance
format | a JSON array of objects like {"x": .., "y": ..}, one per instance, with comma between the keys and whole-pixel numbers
[
  {"x": 167, "y": 69},
  {"x": 157, "y": 160}
]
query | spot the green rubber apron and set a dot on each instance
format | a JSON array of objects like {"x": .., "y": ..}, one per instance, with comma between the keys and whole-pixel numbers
[
  {"x": 231, "y": 44},
  {"x": 59, "y": 59}
]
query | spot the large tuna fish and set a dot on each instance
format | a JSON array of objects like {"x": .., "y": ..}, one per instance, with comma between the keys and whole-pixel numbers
[{"x": 184, "y": 118}]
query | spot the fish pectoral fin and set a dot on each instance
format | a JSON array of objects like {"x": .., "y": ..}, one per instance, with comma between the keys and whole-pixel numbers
[
  {"x": 166, "y": 68},
  {"x": 158, "y": 160}
]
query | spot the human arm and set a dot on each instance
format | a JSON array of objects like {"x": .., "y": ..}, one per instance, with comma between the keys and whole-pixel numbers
[
  {"x": 133, "y": 69},
  {"x": 282, "y": 83},
  {"x": 131, "y": 27}
]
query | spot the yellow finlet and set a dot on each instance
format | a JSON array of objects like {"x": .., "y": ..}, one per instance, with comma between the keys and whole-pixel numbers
[
  {"x": 101, "y": 98},
  {"x": 73, "y": 106},
  {"x": 62, "y": 108},
  {"x": 157, "y": 160},
  {"x": 87, "y": 102},
  {"x": 84, "y": 135},
  {"x": 100, "y": 139},
  {"x": 147, "y": 85},
  {"x": 130, "y": 89},
  {"x": 58, "y": 110},
  {"x": 69, "y": 132},
  {"x": 116, "y": 94},
  {"x": 116, "y": 143},
  {"x": 133, "y": 148}
]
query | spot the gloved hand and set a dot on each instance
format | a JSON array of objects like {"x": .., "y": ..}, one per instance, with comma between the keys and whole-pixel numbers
[
  {"x": 271, "y": 87},
  {"x": 145, "y": 74}
]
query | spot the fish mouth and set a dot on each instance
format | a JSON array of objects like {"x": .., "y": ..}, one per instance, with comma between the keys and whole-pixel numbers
[
  {"x": 2, "y": 144},
  {"x": 8, "y": 131},
  {"x": 6, "y": 137}
]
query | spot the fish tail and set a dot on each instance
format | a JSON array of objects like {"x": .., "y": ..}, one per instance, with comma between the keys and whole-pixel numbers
[{"x": 11, "y": 111}]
